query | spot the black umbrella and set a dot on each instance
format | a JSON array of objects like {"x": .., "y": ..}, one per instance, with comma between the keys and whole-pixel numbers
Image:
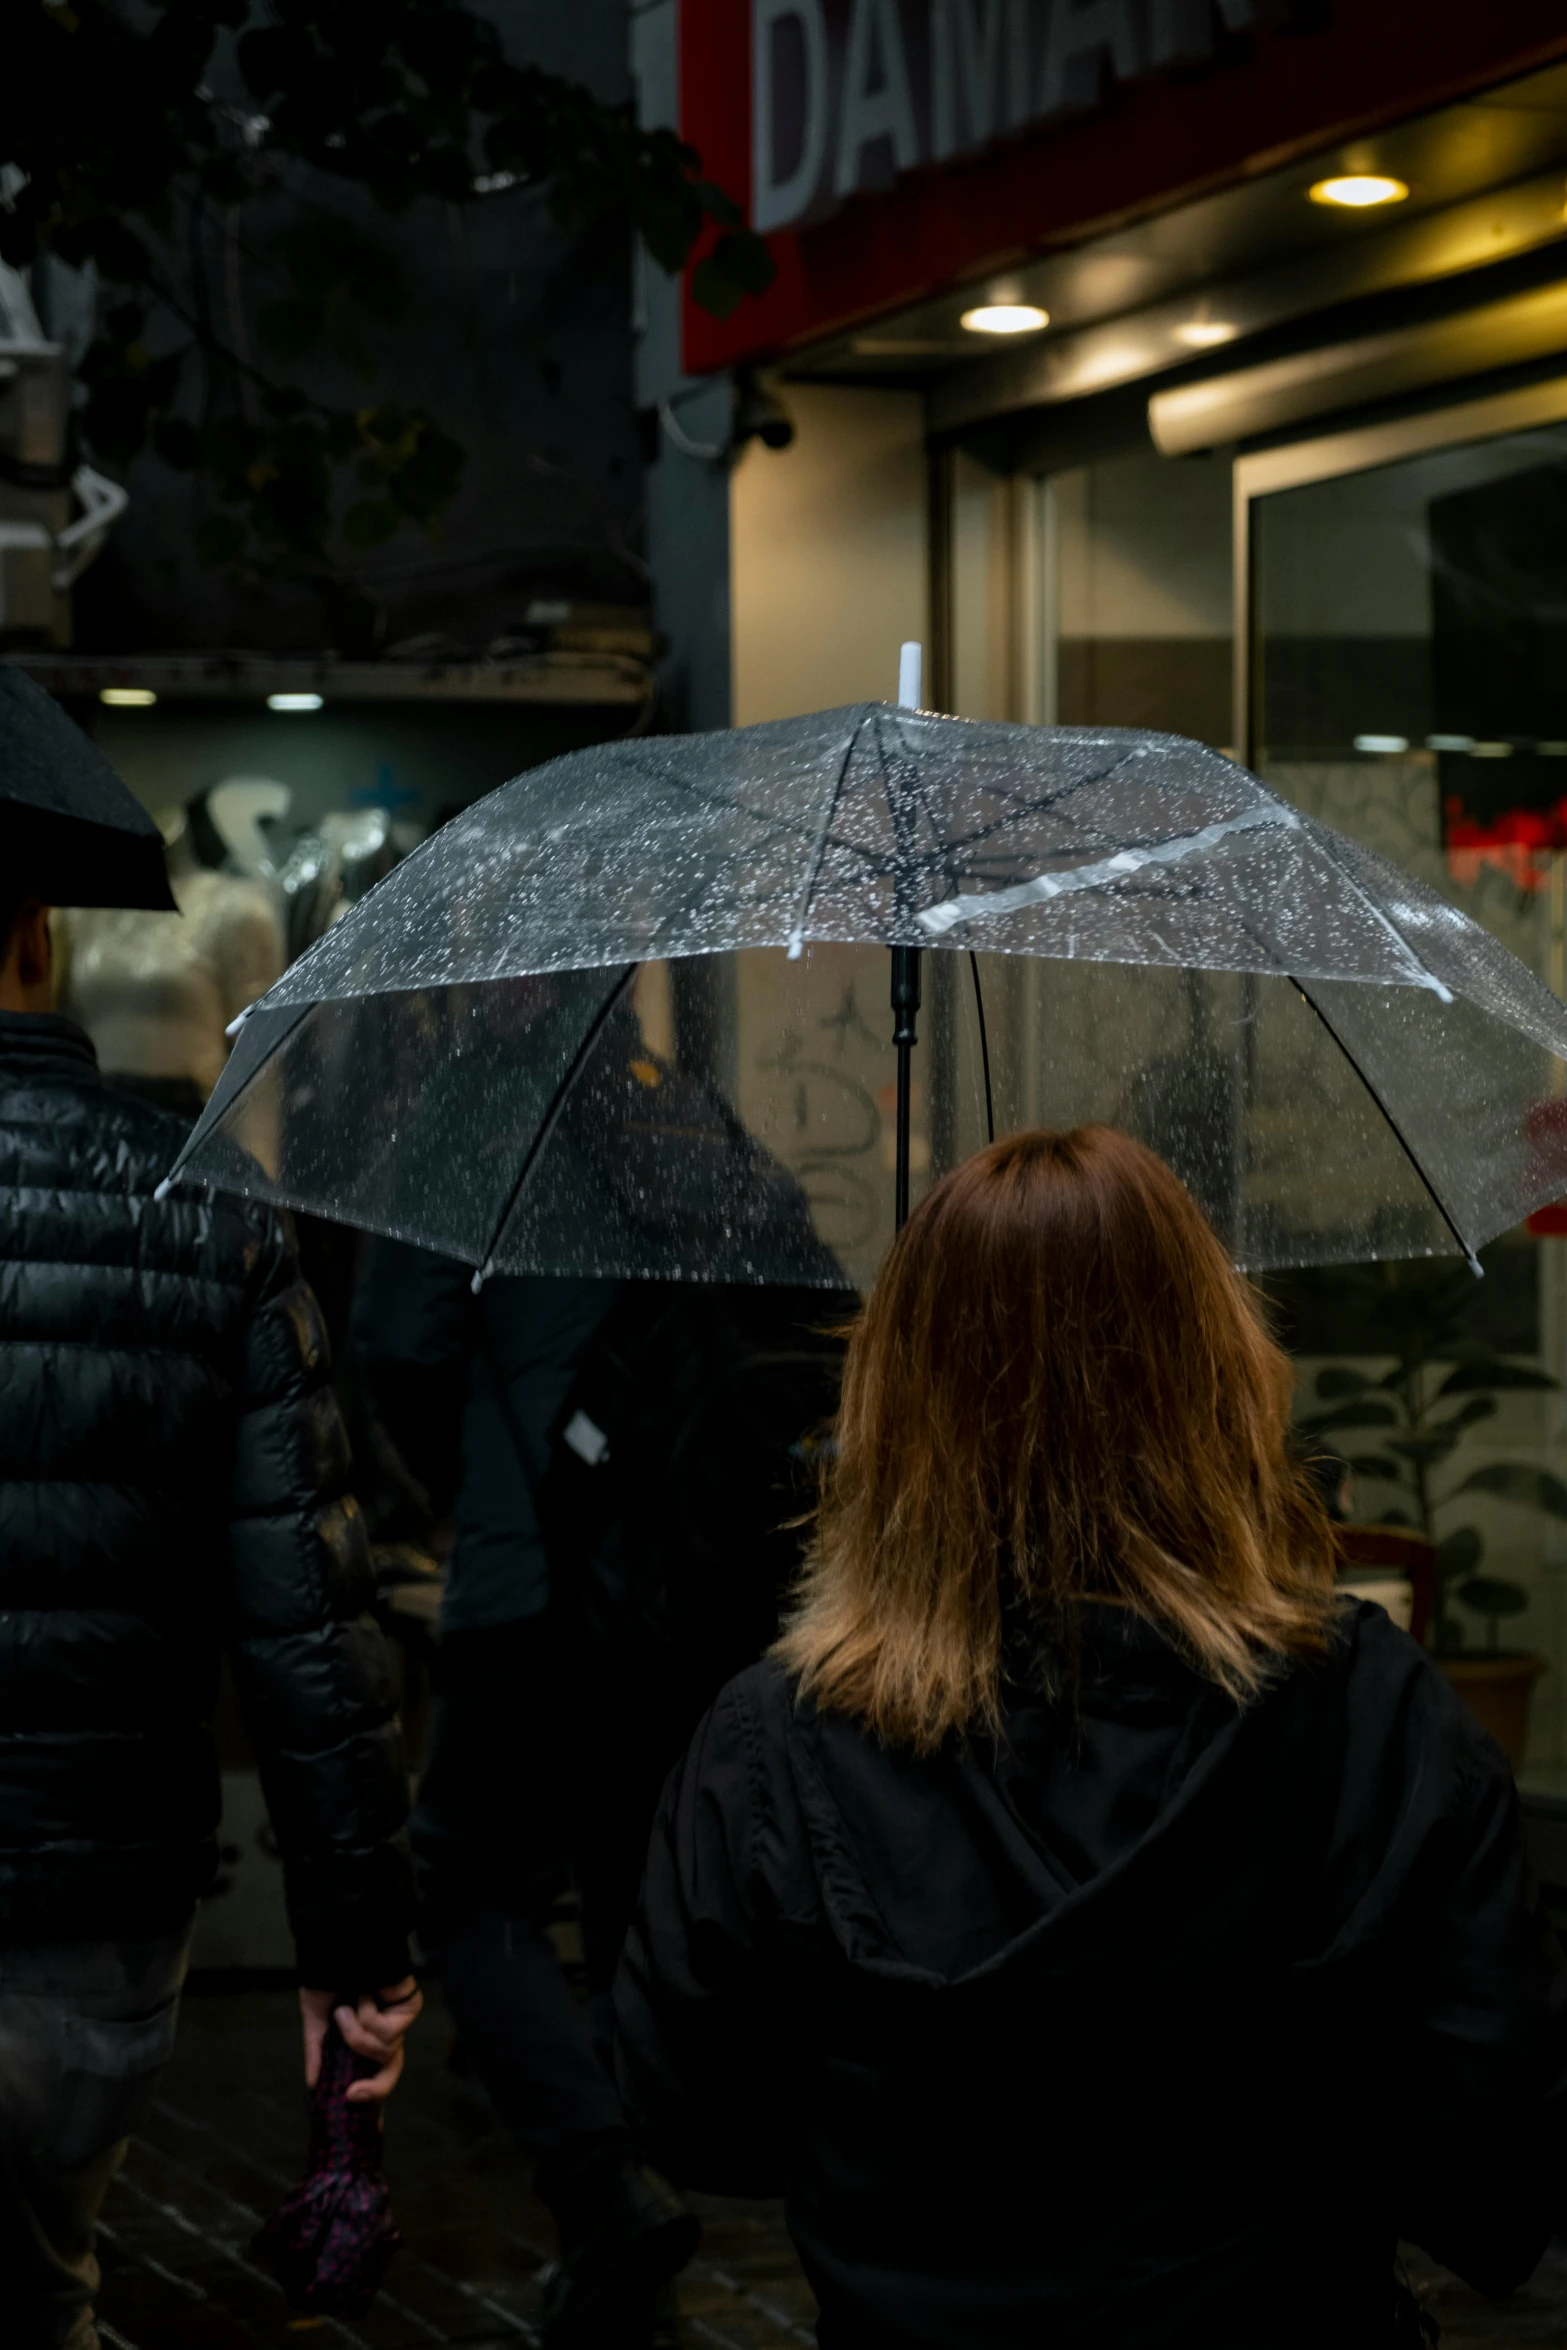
[{"x": 85, "y": 839}]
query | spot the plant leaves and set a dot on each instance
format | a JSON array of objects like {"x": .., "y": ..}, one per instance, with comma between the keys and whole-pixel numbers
[
  {"x": 1376, "y": 1464},
  {"x": 219, "y": 540},
  {"x": 712, "y": 291},
  {"x": 122, "y": 145},
  {"x": 1479, "y": 1407},
  {"x": 1428, "y": 1450},
  {"x": 1488, "y": 1595},
  {"x": 1459, "y": 1553},
  {"x": 745, "y": 260},
  {"x": 178, "y": 443},
  {"x": 370, "y": 522},
  {"x": 1339, "y": 1379},
  {"x": 1497, "y": 1375},
  {"x": 1531, "y": 1488},
  {"x": 290, "y": 325},
  {"x": 1373, "y": 1412}
]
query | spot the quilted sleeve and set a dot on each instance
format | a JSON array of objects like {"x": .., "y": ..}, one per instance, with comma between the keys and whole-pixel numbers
[{"x": 311, "y": 1665}]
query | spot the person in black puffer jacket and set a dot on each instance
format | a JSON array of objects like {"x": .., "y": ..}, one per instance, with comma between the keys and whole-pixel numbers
[{"x": 173, "y": 1481}]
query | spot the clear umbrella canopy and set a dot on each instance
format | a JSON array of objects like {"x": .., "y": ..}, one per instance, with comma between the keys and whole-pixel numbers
[{"x": 629, "y": 1013}]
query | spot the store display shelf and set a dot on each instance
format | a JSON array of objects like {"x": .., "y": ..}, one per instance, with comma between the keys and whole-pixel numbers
[{"x": 543, "y": 677}]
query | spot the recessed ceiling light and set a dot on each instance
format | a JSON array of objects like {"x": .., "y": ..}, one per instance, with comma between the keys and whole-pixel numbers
[
  {"x": 293, "y": 701},
  {"x": 1389, "y": 745},
  {"x": 1358, "y": 189},
  {"x": 128, "y": 697},
  {"x": 1005, "y": 318},
  {"x": 1199, "y": 333},
  {"x": 1450, "y": 742}
]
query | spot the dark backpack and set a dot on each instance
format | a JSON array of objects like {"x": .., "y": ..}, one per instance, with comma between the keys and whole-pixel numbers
[{"x": 687, "y": 1448}]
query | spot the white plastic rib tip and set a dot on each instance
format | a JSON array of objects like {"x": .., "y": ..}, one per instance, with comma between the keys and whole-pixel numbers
[
  {"x": 239, "y": 1019},
  {"x": 911, "y": 665},
  {"x": 796, "y": 945},
  {"x": 164, "y": 1188},
  {"x": 477, "y": 1282},
  {"x": 1475, "y": 1266}
]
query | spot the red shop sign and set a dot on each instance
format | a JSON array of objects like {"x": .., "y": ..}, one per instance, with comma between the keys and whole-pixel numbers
[{"x": 893, "y": 148}]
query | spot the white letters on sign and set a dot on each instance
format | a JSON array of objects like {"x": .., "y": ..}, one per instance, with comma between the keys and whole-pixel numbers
[
  {"x": 846, "y": 94},
  {"x": 967, "y": 104},
  {"x": 788, "y": 141},
  {"x": 1082, "y": 37},
  {"x": 875, "y": 105}
]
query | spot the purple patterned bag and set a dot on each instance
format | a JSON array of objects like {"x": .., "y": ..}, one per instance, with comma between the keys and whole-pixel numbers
[{"x": 330, "y": 2243}]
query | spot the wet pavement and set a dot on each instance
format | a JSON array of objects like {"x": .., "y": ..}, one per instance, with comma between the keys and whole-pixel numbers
[{"x": 226, "y": 2139}]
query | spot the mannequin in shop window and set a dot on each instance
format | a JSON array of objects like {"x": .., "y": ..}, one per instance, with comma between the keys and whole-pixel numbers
[{"x": 156, "y": 992}]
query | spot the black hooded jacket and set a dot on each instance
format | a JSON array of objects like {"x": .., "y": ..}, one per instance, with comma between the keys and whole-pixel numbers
[
  {"x": 1159, "y": 2029},
  {"x": 173, "y": 1478}
]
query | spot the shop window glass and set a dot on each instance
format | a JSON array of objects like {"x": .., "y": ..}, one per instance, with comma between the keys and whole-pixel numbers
[
  {"x": 1100, "y": 596},
  {"x": 1410, "y": 688},
  {"x": 1143, "y": 625}
]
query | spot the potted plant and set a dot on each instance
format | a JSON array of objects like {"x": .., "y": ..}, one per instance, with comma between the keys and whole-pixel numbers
[{"x": 1443, "y": 1384}]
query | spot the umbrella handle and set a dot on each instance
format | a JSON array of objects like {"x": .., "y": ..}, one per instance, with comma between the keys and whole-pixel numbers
[{"x": 905, "y": 1008}]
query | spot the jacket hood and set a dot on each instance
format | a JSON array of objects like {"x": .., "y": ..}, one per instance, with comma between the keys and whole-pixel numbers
[{"x": 1084, "y": 1837}]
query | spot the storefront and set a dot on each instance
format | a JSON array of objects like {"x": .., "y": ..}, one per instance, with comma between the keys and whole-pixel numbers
[{"x": 1193, "y": 366}]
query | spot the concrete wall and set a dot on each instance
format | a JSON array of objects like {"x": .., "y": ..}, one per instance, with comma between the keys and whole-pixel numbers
[{"x": 828, "y": 555}]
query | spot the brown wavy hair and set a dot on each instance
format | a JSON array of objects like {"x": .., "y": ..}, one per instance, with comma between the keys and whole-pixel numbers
[{"x": 1060, "y": 1390}]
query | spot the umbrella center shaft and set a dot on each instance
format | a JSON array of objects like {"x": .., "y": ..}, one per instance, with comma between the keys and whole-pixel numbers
[{"x": 905, "y": 1035}]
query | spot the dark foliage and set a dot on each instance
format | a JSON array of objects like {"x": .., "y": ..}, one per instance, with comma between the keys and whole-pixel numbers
[{"x": 124, "y": 154}]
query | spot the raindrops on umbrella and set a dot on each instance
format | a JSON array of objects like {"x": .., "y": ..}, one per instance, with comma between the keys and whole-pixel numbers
[{"x": 630, "y": 1014}]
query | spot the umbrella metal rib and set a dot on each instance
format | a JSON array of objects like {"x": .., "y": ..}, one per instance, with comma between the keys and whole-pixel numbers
[
  {"x": 984, "y": 1047},
  {"x": 551, "y": 1119},
  {"x": 1394, "y": 1129},
  {"x": 797, "y": 932}
]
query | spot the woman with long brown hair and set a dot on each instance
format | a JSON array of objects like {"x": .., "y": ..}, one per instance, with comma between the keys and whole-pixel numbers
[{"x": 1100, "y": 1934}]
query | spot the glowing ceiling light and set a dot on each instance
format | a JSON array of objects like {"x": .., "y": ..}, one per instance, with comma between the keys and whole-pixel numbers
[
  {"x": 1005, "y": 318},
  {"x": 1358, "y": 189},
  {"x": 128, "y": 697},
  {"x": 1199, "y": 333},
  {"x": 1382, "y": 745},
  {"x": 293, "y": 701}
]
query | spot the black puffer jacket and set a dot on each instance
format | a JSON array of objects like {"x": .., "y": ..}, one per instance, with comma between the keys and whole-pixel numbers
[{"x": 173, "y": 1479}]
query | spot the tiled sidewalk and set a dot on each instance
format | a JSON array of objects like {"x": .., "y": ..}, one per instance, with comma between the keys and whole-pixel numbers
[{"x": 226, "y": 2140}]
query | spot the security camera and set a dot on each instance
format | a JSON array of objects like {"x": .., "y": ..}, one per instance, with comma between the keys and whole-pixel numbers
[{"x": 758, "y": 416}]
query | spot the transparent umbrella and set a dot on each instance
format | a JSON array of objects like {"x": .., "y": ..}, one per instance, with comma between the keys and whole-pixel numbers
[{"x": 629, "y": 1014}]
